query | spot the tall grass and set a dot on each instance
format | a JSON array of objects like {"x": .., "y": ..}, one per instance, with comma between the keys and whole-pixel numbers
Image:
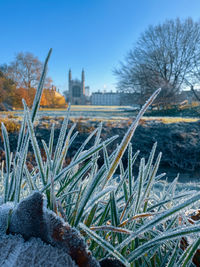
[{"x": 119, "y": 214}]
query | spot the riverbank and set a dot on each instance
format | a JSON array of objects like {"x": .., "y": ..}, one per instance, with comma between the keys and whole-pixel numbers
[{"x": 179, "y": 142}]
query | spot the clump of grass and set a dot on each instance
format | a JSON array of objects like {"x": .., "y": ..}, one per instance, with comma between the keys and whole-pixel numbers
[
  {"x": 11, "y": 125},
  {"x": 121, "y": 215}
]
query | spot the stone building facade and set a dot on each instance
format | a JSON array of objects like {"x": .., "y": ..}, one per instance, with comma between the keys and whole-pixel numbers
[{"x": 105, "y": 99}]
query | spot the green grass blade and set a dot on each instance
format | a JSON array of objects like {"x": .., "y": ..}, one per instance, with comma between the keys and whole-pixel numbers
[
  {"x": 51, "y": 140},
  {"x": 35, "y": 145},
  {"x": 140, "y": 185},
  {"x": 61, "y": 138},
  {"x": 126, "y": 173},
  {"x": 186, "y": 259},
  {"x": 7, "y": 156},
  {"x": 75, "y": 210},
  {"x": 150, "y": 160},
  {"x": 49, "y": 163},
  {"x": 19, "y": 173},
  {"x": 126, "y": 206},
  {"x": 106, "y": 158},
  {"x": 104, "y": 214},
  {"x": 125, "y": 192},
  {"x": 28, "y": 178},
  {"x": 151, "y": 181},
  {"x": 38, "y": 95},
  {"x": 97, "y": 139},
  {"x": 114, "y": 214},
  {"x": 130, "y": 170},
  {"x": 173, "y": 257},
  {"x": 64, "y": 150},
  {"x": 21, "y": 134},
  {"x": 91, "y": 215},
  {"x": 104, "y": 244},
  {"x": 166, "y": 237}
]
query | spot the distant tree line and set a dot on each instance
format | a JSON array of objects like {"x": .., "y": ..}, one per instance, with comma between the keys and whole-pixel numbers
[
  {"x": 20, "y": 79},
  {"x": 166, "y": 56}
]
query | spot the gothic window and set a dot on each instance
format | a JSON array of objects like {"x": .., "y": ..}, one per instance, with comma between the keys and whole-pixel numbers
[{"x": 76, "y": 91}]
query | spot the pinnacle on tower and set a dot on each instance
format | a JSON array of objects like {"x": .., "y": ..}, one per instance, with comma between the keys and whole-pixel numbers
[
  {"x": 70, "y": 75},
  {"x": 83, "y": 75}
]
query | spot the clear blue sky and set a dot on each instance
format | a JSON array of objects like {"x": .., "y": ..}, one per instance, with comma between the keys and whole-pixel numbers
[{"x": 94, "y": 34}]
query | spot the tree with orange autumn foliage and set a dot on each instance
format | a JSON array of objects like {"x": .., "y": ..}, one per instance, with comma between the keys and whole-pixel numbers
[
  {"x": 19, "y": 80},
  {"x": 52, "y": 99}
]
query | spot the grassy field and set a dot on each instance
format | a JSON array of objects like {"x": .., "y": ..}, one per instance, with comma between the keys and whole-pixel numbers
[
  {"x": 171, "y": 119},
  {"x": 97, "y": 113},
  {"x": 94, "y": 108}
]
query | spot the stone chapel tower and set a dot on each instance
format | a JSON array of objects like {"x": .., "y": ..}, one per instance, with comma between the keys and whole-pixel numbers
[{"x": 76, "y": 89}]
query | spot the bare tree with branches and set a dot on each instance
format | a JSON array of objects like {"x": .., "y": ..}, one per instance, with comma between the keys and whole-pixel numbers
[
  {"x": 164, "y": 56},
  {"x": 25, "y": 71}
]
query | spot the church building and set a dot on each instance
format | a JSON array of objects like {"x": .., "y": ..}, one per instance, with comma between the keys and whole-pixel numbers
[{"x": 76, "y": 90}]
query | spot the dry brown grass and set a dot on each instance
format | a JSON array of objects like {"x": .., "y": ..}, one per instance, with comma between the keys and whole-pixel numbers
[
  {"x": 167, "y": 120},
  {"x": 11, "y": 125}
]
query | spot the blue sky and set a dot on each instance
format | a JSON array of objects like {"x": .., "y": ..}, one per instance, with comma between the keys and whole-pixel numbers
[{"x": 94, "y": 34}]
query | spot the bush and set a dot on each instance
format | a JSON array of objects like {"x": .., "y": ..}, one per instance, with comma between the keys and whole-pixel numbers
[{"x": 139, "y": 221}]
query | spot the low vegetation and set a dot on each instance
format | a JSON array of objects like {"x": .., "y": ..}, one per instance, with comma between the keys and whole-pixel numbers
[
  {"x": 138, "y": 220},
  {"x": 176, "y": 111},
  {"x": 11, "y": 125}
]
